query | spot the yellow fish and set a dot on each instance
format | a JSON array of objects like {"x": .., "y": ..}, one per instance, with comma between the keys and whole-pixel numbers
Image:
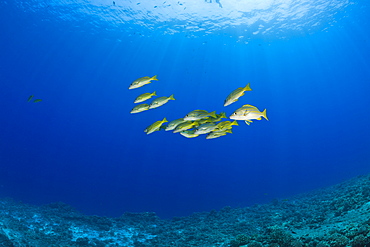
[
  {"x": 188, "y": 133},
  {"x": 142, "y": 81},
  {"x": 199, "y": 114},
  {"x": 236, "y": 94},
  {"x": 140, "y": 108},
  {"x": 174, "y": 123},
  {"x": 160, "y": 101},
  {"x": 247, "y": 113},
  {"x": 185, "y": 126},
  {"x": 205, "y": 128},
  {"x": 144, "y": 96},
  {"x": 204, "y": 120},
  {"x": 225, "y": 125},
  {"x": 155, "y": 126},
  {"x": 211, "y": 119},
  {"x": 217, "y": 134}
]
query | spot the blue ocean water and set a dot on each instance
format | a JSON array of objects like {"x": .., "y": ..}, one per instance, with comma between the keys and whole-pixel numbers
[{"x": 81, "y": 146}]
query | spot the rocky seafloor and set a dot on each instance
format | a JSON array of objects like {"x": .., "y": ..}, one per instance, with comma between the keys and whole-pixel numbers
[{"x": 337, "y": 216}]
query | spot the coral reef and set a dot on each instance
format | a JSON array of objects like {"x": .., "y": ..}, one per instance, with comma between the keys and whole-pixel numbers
[{"x": 337, "y": 216}]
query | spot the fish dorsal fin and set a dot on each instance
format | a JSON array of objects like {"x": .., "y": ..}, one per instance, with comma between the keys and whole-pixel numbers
[{"x": 200, "y": 111}]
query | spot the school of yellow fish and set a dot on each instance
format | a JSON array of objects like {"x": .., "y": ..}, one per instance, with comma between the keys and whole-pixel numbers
[{"x": 196, "y": 122}]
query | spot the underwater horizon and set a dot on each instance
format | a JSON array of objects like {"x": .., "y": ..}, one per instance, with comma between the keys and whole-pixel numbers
[{"x": 308, "y": 65}]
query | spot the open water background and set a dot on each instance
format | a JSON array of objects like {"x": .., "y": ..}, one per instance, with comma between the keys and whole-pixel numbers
[{"x": 81, "y": 146}]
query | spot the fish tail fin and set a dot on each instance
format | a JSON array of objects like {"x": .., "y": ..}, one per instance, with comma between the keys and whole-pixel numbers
[
  {"x": 171, "y": 97},
  {"x": 235, "y": 123},
  {"x": 164, "y": 120},
  {"x": 223, "y": 115},
  {"x": 154, "y": 93},
  {"x": 229, "y": 131},
  {"x": 248, "y": 87},
  {"x": 154, "y": 78},
  {"x": 264, "y": 114},
  {"x": 213, "y": 114}
]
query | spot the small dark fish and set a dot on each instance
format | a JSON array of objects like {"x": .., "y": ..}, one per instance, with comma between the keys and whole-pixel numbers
[
  {"x": 30, "y": 98},
  {"x": 37, "y": 100}
]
